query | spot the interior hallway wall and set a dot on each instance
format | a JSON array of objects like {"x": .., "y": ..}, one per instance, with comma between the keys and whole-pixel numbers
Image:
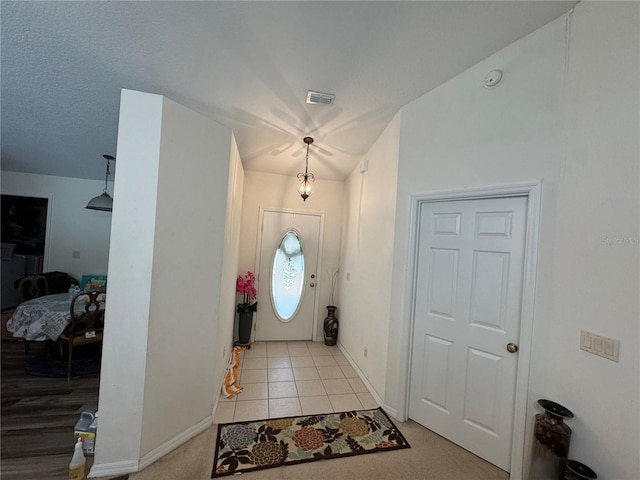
[
  {"x": 266, "y": 190},
  {"x": 367, "y": 256},
  {"x": 161, "y": 351},
  {"x": 566, "y": 112},
  {"x": 230, "y": 264}
]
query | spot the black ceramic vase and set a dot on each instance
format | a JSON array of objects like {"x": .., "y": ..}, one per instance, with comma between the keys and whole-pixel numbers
[
  {"x": 331, "y": 327},
  {"x": 245, "y": 322},
  {"x": 552, "y": 441}
]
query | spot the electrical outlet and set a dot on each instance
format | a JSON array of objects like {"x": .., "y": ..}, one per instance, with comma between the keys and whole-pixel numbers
[
  {"x": 598, "y": 345},
  {"x": 365, "y": 352}
]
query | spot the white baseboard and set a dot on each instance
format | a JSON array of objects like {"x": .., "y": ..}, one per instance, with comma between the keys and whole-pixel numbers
[
  {"x": 175, "y": 442},
  {"x": 372, "y": 391},
  {"x": 392, "y": 412},
  {"x": 115, "y": 468},
  {"x": 132, "y": 466}
]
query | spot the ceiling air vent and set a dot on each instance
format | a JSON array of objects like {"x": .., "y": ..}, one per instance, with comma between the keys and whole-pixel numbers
[{"x": 318, "y": 98}]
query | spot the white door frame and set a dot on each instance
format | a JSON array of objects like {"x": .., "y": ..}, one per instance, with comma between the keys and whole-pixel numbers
[
  {"x": 533, "y": 192},
  {"x": 316, "y": 337}
]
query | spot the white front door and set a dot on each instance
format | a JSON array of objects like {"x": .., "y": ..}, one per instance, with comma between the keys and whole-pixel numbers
[
  {"x": 466, "y": 311},
  {"x": 287, "y": 279}
]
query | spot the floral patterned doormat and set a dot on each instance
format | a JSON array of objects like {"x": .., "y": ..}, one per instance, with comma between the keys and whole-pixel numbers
[{"x": 247, "y": 446}]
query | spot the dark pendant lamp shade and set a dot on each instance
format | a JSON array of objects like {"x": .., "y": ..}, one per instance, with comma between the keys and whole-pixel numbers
[{"x": 104, "y": 202}]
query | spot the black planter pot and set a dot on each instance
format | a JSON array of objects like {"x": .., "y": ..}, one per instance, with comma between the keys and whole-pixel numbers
[{"x": 245, "y": 323}]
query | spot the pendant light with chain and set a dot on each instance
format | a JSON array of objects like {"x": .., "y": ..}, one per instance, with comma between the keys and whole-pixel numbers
[
  {"x": 103, "y": 202},
  {"x": 306, "y": 178}
]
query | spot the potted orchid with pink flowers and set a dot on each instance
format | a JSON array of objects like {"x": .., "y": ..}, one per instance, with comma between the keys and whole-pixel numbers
[{"x": 245, "y": 285}]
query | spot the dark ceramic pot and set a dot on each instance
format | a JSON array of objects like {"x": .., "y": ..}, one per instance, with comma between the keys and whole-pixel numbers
[
  {"x": 578, "y": 471},
  {"x": 331, "y": 327},
  {"x": 553, "y": 437}
]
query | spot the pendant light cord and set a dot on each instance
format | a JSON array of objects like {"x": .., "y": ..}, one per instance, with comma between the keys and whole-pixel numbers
[
  {"x": 106, "y": 177},
  {"x": 108, "y": 158}
]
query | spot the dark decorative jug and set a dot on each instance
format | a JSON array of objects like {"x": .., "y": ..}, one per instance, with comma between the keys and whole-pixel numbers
[
  {"x": 331, "y": 327},
  {"x": 552, "y": 442}
]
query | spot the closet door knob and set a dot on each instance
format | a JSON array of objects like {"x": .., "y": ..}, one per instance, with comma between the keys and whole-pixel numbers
[{"x": 512, "y": 347}]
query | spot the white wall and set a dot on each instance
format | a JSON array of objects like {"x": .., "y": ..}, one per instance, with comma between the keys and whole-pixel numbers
[
  {"x": 125, "y": 343},
  {"x": 279, "y": 191},
  {"x": 367, "y": 254},
  {"x": 567, "y": 113},
  {"x": 71, "y": 226},
  {"x": 230, "y": 263},
  {"x": 186, "y": 280},
  {"x": 594, "y": 272},
  {"x": 161, "y": 362}
]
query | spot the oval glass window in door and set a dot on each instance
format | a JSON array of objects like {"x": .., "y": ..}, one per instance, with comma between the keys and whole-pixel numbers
[{"x": 287, "y": 276}]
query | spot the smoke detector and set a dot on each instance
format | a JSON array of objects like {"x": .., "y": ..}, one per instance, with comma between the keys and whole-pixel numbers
[
  {"x": 319, "y": 98},
  {"x": 492, "y": 79}
]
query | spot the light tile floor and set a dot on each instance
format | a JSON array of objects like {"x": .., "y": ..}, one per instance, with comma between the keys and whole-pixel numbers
[{"x": 283, "y": 379}]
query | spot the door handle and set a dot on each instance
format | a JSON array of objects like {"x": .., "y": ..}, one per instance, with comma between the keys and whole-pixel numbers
[{"x": 512, "y": 347}]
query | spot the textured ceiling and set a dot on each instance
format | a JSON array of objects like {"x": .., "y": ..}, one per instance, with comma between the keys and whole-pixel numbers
[{"x": 247, "y": 65}]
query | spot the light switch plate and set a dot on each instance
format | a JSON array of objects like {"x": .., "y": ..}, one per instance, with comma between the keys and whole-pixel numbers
[{"x": 598, "y": 345}]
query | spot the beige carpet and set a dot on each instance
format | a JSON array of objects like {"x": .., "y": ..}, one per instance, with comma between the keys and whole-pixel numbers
[{"x": 430, "y": 457}]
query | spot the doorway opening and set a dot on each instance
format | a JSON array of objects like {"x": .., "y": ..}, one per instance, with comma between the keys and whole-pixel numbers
[{"x": 24, "y": 233}]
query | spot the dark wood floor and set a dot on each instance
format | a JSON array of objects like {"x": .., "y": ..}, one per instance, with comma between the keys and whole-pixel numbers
[{"x": 37, "y": 418}]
